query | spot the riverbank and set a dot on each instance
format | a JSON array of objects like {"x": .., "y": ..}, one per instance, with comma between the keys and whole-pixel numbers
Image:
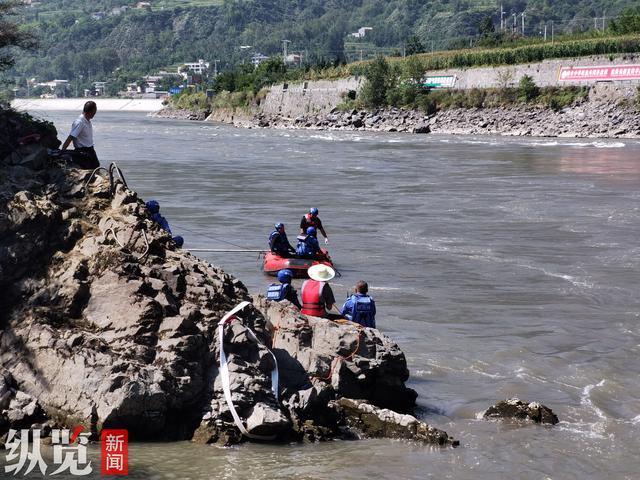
[
  {"x": 590, "y": 118},
  {"x": 76, "y": 104}
]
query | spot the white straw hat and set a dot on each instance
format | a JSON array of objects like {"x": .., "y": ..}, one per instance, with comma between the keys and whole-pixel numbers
[{"x": 321, "y": 272}]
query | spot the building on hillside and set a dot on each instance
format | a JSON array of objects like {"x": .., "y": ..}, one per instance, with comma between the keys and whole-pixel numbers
[
  {"x": 143, "y": 5},
  {"x": 362, "y": 32},
  {"x": 98, "y": 15},
  {"x": 198, "y": 68},
  {"x": 115, "y": 11},
  {"x": 293, "y": 59}
]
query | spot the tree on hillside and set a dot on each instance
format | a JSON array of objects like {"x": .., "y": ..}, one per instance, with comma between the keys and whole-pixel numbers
[
  {"x": 628, "y": 22},
  {"x": 11, "y": 35},
  {"x": 414, "y": 45},
  {"x": 486, "y": 27}
]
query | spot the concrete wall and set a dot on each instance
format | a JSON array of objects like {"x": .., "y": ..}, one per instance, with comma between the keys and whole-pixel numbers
[
  {"x": 545, "y": 73},
  {"x": 316, "y": 97},
  {"x": 308, "y": 97}
]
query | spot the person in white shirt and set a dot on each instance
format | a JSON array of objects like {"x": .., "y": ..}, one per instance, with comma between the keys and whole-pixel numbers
[{"x": 83, "y": 154}]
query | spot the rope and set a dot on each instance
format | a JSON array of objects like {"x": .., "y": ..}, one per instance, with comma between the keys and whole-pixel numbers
[
  {"x": 126, "y": 246},
  {"x": 222, "y": 250},
  {"x": 340, "y": 357},
  {"x": 91, "y": 177},
  {"x": 224, "y": 372},
  {"x": 182, "y": 227}
]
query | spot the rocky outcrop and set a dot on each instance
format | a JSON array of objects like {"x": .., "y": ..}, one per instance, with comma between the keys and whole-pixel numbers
[
  {"x": 516, "y": 409},
  {"x": 106, "y": 323},
  {"x": 370, "y": 421},
  {"x": 173, "y": 113}
]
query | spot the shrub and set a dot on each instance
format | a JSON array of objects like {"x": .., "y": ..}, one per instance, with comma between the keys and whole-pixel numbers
[{"x": 527, "y": 89}]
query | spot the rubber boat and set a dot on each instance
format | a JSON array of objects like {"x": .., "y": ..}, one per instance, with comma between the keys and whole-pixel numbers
[{"x": 273, "y": 263}]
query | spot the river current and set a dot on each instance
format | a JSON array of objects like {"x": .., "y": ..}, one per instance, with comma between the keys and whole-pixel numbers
[{"x": 501, "y": 266}]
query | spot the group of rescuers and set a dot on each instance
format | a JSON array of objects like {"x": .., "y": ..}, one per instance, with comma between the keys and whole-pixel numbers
[{"x": 317, "y": 297}]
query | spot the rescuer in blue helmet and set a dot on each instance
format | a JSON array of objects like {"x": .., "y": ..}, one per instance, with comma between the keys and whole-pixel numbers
[
  {"x": 308, "y": 246},
  {"x": 154, "y": 209},
  {"x": 311, "y": 219},
  {"x": 279, "y": 243},
  {"x": 283, "y": 290}
]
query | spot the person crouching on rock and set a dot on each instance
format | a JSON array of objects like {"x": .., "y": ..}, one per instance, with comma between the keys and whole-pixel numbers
[
  {"x": 279, "y": 243},
  {"x": 317, "y": 296},
  {"x": 154, "y": 209},
  {"x": 308, "y": 246},
  {"x": 83, "y": 154},
  {"x": 283, "y": 290},
  {"x": 360, "y": 307}
]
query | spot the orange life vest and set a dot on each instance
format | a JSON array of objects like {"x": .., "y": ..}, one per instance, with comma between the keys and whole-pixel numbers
[{"x": 312, "y": 301}]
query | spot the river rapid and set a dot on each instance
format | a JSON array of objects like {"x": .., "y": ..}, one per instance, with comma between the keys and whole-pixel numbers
[{"x": 501, "y": 266}]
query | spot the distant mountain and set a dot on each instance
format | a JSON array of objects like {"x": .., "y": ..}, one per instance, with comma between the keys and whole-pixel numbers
[{"x": 95, "y": 38}]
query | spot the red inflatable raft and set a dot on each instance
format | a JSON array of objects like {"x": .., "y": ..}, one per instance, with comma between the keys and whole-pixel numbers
[{"x": 273, "y": 263}]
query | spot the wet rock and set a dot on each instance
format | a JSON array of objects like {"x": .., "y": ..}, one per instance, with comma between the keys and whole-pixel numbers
[
  {"x": 514, "y": 408},
  {"x": 422, "y": 128},
  {"x": 370, "y": 421}
]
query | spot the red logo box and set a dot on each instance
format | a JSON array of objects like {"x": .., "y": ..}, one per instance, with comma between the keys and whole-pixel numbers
[{"x": 115, "y": 452}]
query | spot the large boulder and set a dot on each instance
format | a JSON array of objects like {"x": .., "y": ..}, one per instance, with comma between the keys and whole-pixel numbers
[{"x": 104, "y": 322}]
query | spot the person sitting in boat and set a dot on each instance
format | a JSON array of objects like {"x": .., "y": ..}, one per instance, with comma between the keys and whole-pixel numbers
[
  {"x": 279, "y": 243},
  {"x": 360, "y": 307},
  {"x": 311, "y": 219},
  {"x": 154, "y": 209},
  {"x": 283, "y": 290},
  {"x": 308, "y": 246},
  {"x": 317, "y": 296}
]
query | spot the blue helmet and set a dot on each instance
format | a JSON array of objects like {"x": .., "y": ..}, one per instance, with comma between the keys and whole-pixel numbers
[
  {"x": 285, "y": 276},
  {"x": 153, "y": 206},
  {"x": 313, "y": 211},
  {"x": 279, "y": 226},
  {"x": 311, "y": 231}
]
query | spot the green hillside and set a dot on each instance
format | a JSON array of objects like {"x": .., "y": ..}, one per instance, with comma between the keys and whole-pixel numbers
[{"x": 86, "y": 38}]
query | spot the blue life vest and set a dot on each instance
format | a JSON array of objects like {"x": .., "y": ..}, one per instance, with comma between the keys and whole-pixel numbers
[
  {"x": 160, "y": 220},
  {"x": 362, "y": 311},
  {"x": 278, "y": 242},
  {"x": 277, "y": 291},
  {"x": 308, "y": 246}
]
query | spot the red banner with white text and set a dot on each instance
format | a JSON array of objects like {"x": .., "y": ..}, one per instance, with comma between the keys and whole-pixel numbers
[{"x": 599, "y": 73}]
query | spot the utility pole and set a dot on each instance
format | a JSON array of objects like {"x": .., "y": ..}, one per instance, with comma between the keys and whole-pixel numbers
[
  {"x": 604, "y": 13},
  {"x": 360, "y": 54},
  {"x": 515, "y": 21},
  {"x": 551, "y": 32},
  {"x": 502, "y": 12},
  {"x": 522, "y": 23},
  {"x": 284, "y": 50},
  {"x": 432, "y": 46},
  {"x": 215, "y": 68},
  {"x": 545, "y": 32}
]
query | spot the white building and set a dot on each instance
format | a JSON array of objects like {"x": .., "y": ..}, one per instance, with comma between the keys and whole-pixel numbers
[
  {"x": 362, "y": 32},
  {"x": 198, "y": 67}
]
